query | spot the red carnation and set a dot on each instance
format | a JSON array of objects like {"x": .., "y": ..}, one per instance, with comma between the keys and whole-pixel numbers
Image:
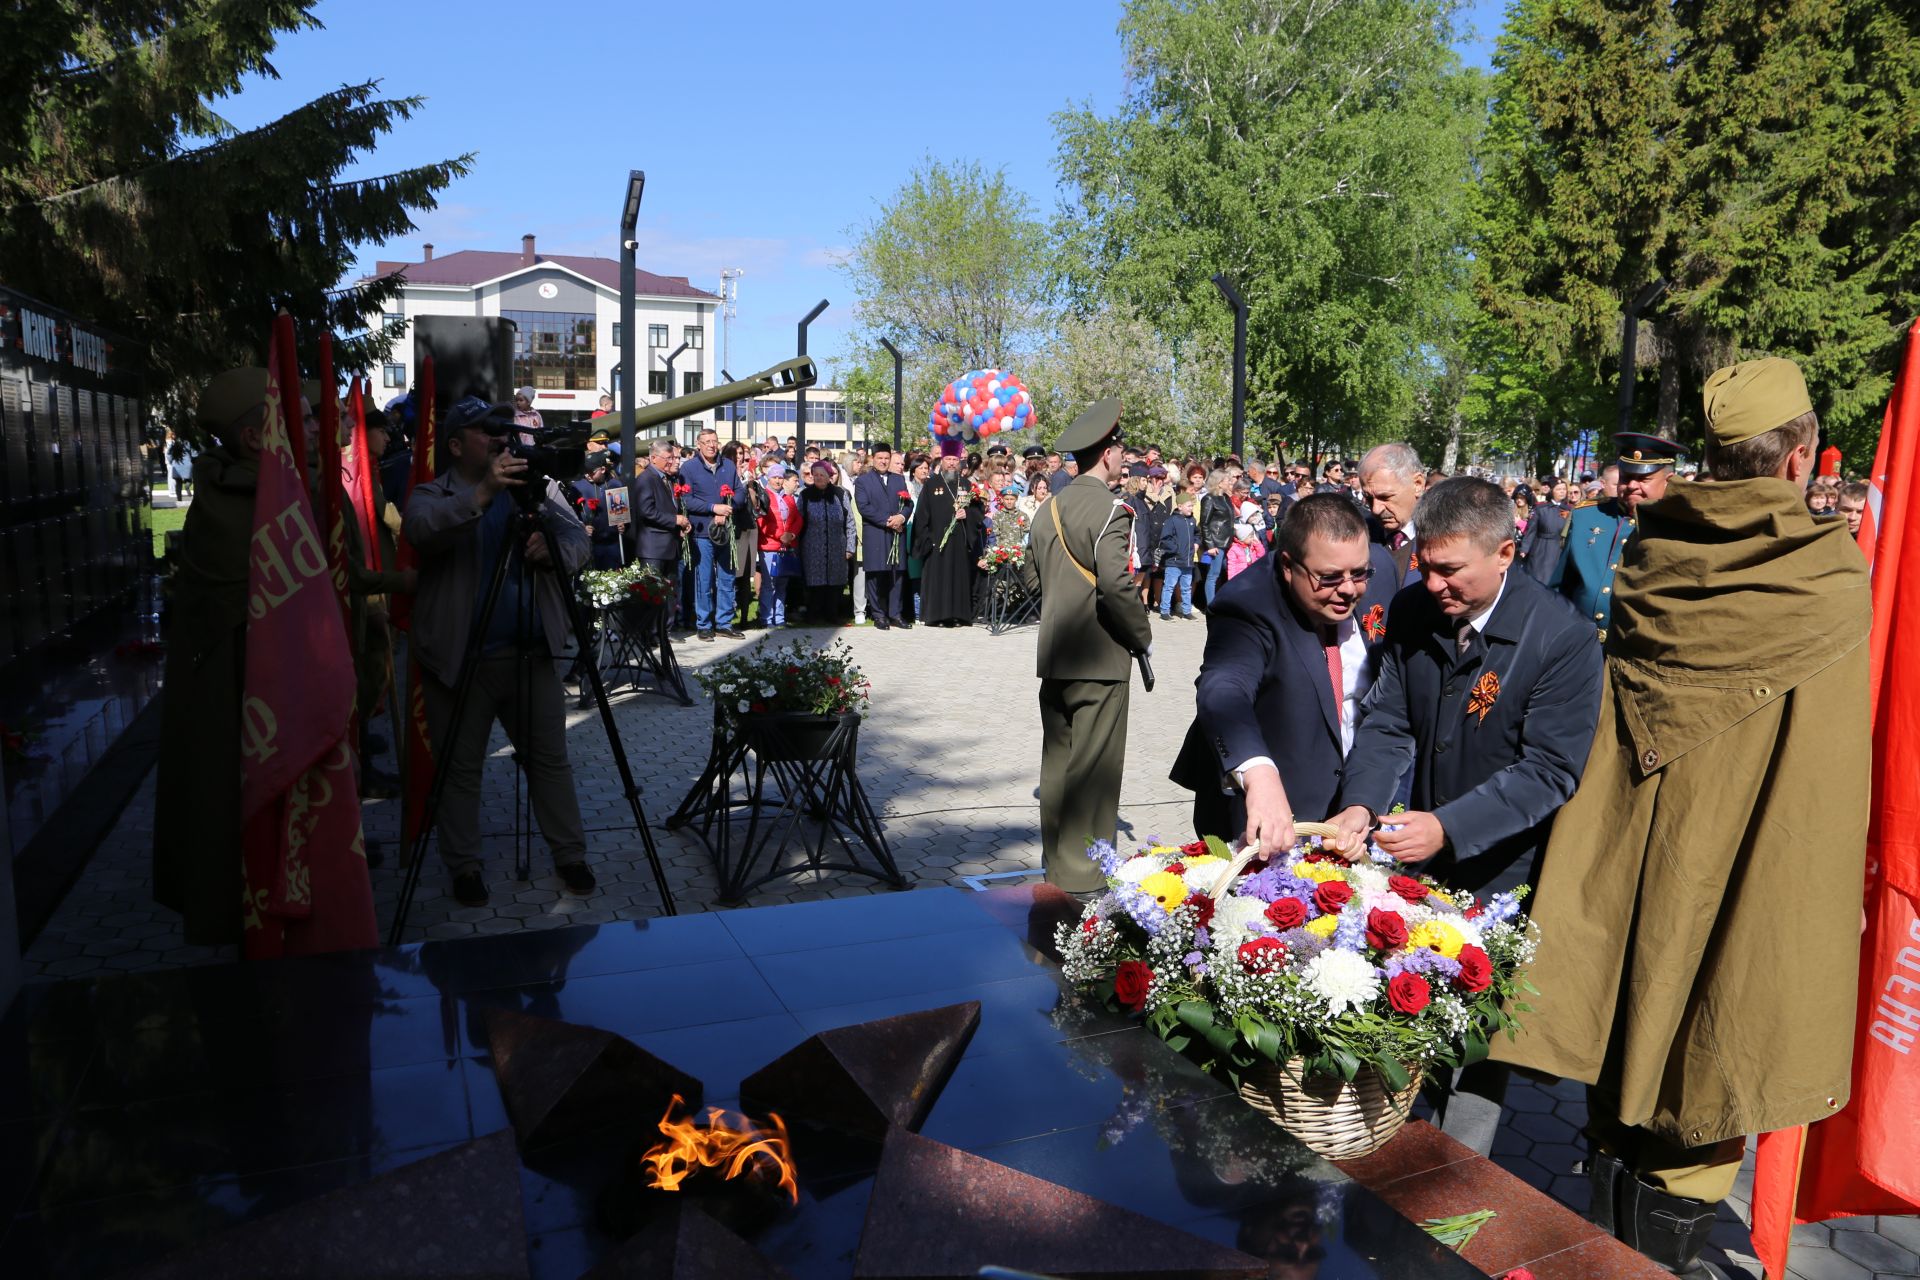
[
  {"x": 1476, "y": 971},
  {"x": 1203, "y": 909},
  {"x": 1176, "y": 868},
  {"x": 726, "y": 491},
  {"x": 1386, "y": 930},
  {"x": 593, "y": 504},
  {"x": 1407, "y": 887},
  {"x": 1130, "y": 983},
  {"x": 682, "y": 490},
  {"x": 1332, "y": 895},
  {"x": 1409, "y": 993},
  {"x": 1262, "y": 955},
  {"x": 1286, "y": 913}
]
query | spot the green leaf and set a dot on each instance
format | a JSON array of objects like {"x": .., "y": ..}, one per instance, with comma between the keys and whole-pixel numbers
[
  {"x": 1348, "y": 1063},
  {"x": 1197, "y": 1014},
  {"x": 1266, "y": 1039},
  {"x": 1458, "y": 1231},
  {"x": 1219, "y": 848},
  {"x": 1475, "y": 1047},
  {"x": 1222, "y": 1038},
  {"x": 1393, "y": 1073}
]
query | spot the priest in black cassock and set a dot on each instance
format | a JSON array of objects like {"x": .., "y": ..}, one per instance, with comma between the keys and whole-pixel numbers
[{"x": 947, "y": 549}]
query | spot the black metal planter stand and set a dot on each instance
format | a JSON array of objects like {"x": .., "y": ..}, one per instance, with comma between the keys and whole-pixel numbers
[
  {"x": 812, "y": 763},
  {"x": 632, "y": 642},
  {"x": 1009, "y": 603}
]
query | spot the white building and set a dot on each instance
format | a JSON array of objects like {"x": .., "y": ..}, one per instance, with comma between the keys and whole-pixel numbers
[{"x": 566, "y": 310}]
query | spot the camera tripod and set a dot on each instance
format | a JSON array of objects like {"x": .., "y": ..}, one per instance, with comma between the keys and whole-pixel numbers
[{"x": 530, "y": 516}]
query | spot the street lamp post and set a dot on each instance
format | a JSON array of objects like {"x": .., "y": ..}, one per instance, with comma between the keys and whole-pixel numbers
[
  {"x": 895, "y": 353},
  {"x": 1232, "y": 295},
  {"x": 800, "y": 396},
  {"x": 1645, "y": 300},
  {"x": 670, "y": 358},
  {"x": 629, "y": 220}
]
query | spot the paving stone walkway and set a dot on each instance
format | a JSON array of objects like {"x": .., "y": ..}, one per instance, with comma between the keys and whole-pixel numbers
[{"x": 950, "y": 754}]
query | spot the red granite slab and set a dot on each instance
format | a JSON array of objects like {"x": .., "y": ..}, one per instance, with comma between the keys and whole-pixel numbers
[
  {"x": 685, "y": 1244},
  {"x": 561, "y": 1081},
  {"x": 867, "y": 1078},
  {"x": 939, "y": 1213},
  {"x": 1528, "y": 1225},
  {"x": 1417, "y": 1148},
  {"x": 456, "y": 1214}
]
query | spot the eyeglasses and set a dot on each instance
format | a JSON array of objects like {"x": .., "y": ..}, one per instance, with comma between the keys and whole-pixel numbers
[{"x": 1328, "y": 581}]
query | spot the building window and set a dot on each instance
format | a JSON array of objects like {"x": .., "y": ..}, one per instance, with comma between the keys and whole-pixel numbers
[
  {"x": 554, "y": 350},
  {"x": 393, "y": 318},
  {"x": 690, "y": 383},
  {"x": 696, "y": 337},
  {"x": 656, "y": 335},
  {"x": 657, "y": 383},
  {"x": 393, "y": 375}
]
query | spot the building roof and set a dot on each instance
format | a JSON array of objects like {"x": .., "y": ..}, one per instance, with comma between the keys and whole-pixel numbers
[{"x": 474, "y": 266}]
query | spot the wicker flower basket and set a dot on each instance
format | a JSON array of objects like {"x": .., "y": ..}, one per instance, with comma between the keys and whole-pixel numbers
[{"x": 1339, "y": 1120}]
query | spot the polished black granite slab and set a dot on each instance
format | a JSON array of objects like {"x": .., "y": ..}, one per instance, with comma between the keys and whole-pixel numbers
[{"x": 142, "y": 1114}]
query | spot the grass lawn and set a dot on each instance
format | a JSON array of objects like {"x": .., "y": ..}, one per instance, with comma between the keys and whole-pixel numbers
[{"x": 164, "y": 520}]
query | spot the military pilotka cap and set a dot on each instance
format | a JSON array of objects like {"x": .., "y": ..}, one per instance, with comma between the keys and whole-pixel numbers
[
  {"x": 1098, "y": 423},
  {"x": 1752, "y": 398},
  {"x": 1642, "y": 455},
  {"x": 230, "y": 395}
]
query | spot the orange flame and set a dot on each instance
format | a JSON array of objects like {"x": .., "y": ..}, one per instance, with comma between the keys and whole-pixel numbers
[{"x": 730, "y": 1149}]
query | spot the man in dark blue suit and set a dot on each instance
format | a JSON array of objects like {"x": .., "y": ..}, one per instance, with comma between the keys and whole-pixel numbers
[
  {"x": 1393, "y": 479},
  {"x": 879, "y": 496},
  {"x": 1489, "y": 687},
  {"x": 1270, "y": 736},
  {"x": 658, "y": 525}
]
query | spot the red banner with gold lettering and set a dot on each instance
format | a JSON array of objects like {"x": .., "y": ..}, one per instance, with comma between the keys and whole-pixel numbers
[
  {"x": 303, "y": 859},
  {"x": 361, "y": 474},
  {"x": 333, "y": 504}
]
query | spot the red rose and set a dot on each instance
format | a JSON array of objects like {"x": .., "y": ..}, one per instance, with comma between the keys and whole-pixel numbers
[
  {"x": 1286, "y": 913},
  {"x": 1130, "y": 983},
  {"x": 1386, "y": 930},
  {"x": 1195, "y": 849},
  {"x": 1263, "y": 955},
  {"x": 1476, "y": 971},
  {"x": 1407, "y": 887},
  {"x": 1409, "y": 993},
  {"x": 1203, "y": 908},
  {"x": 1332, "y": 895}
]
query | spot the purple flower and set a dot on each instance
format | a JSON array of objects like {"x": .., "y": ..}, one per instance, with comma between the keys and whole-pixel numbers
[
  {"x": 1501, "y": 908},
  {"x": 1203, "y": 937},
  {"x": 1351, "y": 933},
  {"x": 1105, "y": 856},
  {"x": 1141, "y": 908},
  {"x": 1424, "y": 962}
]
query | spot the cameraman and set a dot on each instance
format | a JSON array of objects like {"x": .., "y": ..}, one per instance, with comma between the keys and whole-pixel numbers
[{"x": 461, "y": 523}]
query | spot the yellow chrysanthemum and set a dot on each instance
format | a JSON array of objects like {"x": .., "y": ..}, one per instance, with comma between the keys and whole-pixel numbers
[
  {"x": 1200, "y": 860},
  {"x": 1162, "y": 849},
  {"x": 1438, "y": 935},
  {"x": 1323, "y": 927},
  {"x": 1441, "y": 895},
  {"x": 1167, "y": 889},
  {"x": 1318, "y": 872}
]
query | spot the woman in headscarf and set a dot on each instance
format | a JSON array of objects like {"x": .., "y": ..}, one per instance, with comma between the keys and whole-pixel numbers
[{"x": 827, "y": 539}]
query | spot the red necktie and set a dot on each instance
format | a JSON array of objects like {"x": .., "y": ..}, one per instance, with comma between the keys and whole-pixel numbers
[{"x": 1334, "y": 672}]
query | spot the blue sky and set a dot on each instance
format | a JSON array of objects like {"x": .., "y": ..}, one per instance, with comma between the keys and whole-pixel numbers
[{"x": 768, "y": 131}]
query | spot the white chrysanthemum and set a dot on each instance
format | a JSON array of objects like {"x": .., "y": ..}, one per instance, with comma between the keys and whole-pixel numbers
[
  {"x": 1134, "y": 870},
  {"x": 1233, "y": 916},
  {"x": 1342, "y": 979},
  {"x": 1367, "y": 878},
  {"x": 1201, "y": 879}
]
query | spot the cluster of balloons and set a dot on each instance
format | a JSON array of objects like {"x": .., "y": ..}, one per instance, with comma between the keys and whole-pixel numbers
[{"x": 985, "y": 402}]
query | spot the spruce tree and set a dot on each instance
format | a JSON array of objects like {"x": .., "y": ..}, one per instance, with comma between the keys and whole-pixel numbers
[{"x": 127, "y": 198}]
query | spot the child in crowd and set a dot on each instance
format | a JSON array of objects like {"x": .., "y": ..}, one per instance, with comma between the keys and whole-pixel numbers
[
  {"x": 1246, "y": 548},
  {"x": 1177, "y": 537},
  {"x": 780, "y": 523}
]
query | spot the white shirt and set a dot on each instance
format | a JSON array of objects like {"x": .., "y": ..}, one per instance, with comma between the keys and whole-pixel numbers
[{"x": 1479, "y": 620}]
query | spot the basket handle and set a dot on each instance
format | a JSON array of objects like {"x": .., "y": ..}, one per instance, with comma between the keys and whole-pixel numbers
[{"x": 1322, "y": 829}]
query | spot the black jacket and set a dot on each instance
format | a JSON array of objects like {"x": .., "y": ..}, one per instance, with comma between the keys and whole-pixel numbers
[
  {"x": 1494, "y": 777},
  {"x": 656, "y": 535},
  {"x": 1216, "y": 522}
]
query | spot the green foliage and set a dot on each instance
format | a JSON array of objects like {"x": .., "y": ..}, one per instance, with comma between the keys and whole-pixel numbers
[
  {"x": 1458, "y": 1231},
  {"x": 1758, "y": 156},
  {"x": 954, "y": 269},
  {"x": 1316, "y": 154},
  {"x": 866, "y": 383},
  {"x": 125, "y": 196}
]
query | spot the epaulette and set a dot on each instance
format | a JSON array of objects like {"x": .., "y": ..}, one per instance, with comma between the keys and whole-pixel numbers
[{"x": 1590, "y": 502}]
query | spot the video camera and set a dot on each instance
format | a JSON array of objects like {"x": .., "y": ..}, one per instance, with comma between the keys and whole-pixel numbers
[{"x": 557, "y": 454}]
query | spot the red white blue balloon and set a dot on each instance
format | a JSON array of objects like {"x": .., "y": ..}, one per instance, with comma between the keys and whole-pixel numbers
[{"x": 985, "y": 402}]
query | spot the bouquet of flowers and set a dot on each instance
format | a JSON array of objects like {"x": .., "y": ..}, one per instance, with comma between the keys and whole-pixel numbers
[
  {"x": 630, "y": 583},
  {"x": 796, "y": 679},
  {"x": 962, "y": 499},
  {"x": 1304, "y": 957},
  {"x": 1002, "y": 555}
]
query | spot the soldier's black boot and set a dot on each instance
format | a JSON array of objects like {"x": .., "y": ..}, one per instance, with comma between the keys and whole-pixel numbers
[
  {"x": 1670, "y": 1230},
  {"x": 1604, "y": 1175}
]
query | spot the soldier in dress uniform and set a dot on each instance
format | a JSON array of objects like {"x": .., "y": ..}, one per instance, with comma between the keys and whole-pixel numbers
[
  {"x": 1596, "y": 533},
  {"x": 1092, "y": 623}
]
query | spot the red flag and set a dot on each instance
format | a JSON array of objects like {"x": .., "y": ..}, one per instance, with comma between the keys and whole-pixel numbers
[
  {"x": 418, "y": 761},
  {"x": 303, "y": 860},
  {"x": 333, "y": 506},
  {"x": 1861, "y": 1160},
  {"x": 361, "y": 474}
]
